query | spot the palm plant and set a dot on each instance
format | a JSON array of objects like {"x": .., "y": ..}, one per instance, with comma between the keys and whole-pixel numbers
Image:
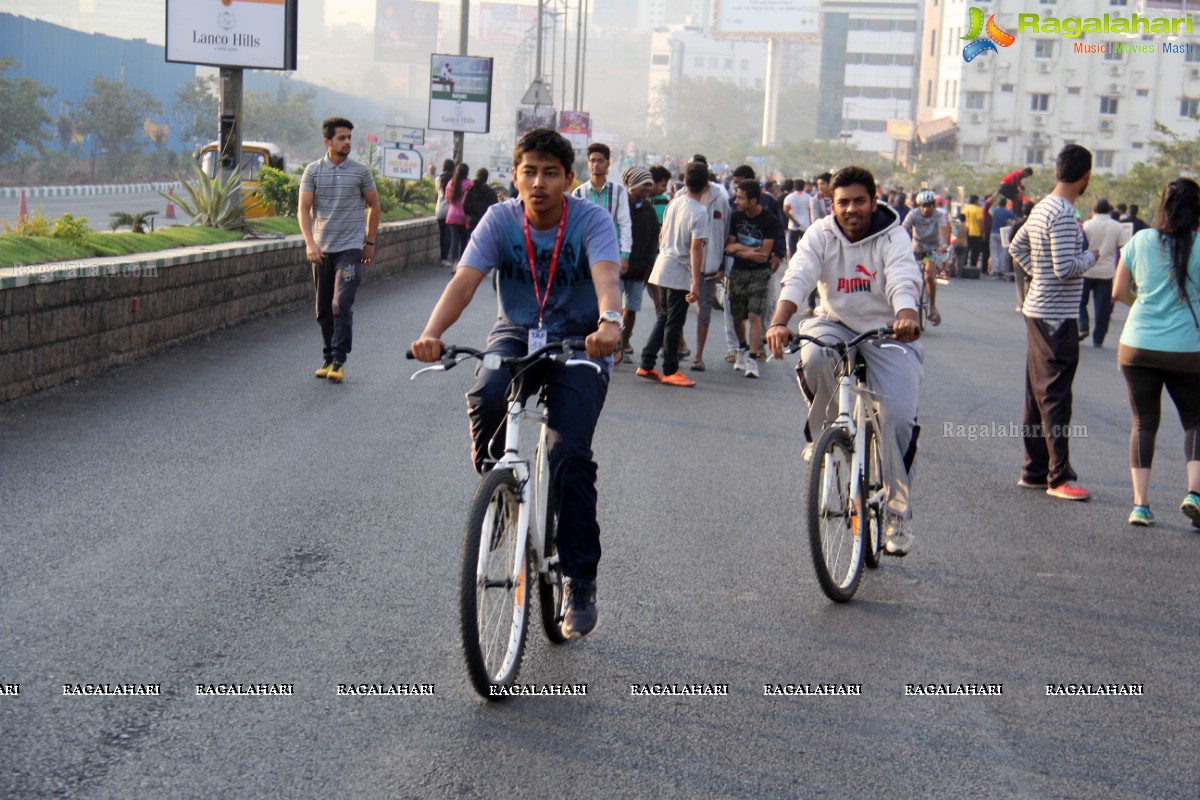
[
  {"x": 215, "y": 203},
  {"x": 136, "y": 222}
]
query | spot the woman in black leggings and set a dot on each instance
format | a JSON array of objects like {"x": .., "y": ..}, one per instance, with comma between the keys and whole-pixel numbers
[{"x": 1159, "y": 277}]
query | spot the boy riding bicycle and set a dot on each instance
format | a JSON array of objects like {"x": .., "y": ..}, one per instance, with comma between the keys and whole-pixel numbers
[
  {"x": 862, "y": 265},
  {"x": 556, "y": 294},
  {"x": 930, "y": 240}
]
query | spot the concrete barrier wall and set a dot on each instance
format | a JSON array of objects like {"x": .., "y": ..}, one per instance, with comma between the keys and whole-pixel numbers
[{"x": 73, "y": 321}]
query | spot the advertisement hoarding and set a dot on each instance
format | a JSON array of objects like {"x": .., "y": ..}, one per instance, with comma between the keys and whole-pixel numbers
[
  {"x": 505, "y": 23},
  {"x": 406, "y": 31},
  {"x": 762, "y": 19},
  {"x": 402, "y": 164},
  {"x": 256, "y": 34},
  {"x": 460, "y": 93},
  {"x": 531, "y": 117},
  {"x": 576, "y": 127}
]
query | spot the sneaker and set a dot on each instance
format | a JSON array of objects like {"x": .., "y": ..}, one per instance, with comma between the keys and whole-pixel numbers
[
  {"x": 807, "y": 453},
  {"x": 677, "y": 379},
  {"x": 751, "y": 367},
  {"x": 1141, "y": 516},
  {"x": 323, "y": 372},
  {"x": 1069, "y": 491},
  {"x": 337, "y": 371},
  {"x": 1029, "y": 484},
  {"x": 731, "y": 356},
  {"x": 579, "y": 600},
  {"x": 740, "y": 363},
  {"x": 897, "y": 539},
  {"x": 651, "y": 374},
  {"x": 1191, "y": 508},
  {"x": 685, "y": 354}
]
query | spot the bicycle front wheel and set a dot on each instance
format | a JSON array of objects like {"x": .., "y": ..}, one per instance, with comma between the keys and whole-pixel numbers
[
  {"x": 871, "y": 499},
  {"x": 549, "y": 581},
  {"x": 494, "y": 600},
  {"x": 837, "y": 551}
]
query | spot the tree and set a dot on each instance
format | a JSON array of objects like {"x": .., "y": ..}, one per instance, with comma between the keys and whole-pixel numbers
[
  {"x": 194, "y": 110},
  {"x": 115, "y": 115},
  {"x": 685, "y": 110},
  {"x": 1180, "y": 155},
  {"x": 286, "y": 118},
  {"x": 25, "y": 120}
]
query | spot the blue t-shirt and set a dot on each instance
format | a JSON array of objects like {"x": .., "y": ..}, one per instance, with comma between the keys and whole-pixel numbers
[
  {"x": 1158, "y": 319},
  {"x": 1000, "y": 218},
  {"x": 571, "y": 311}
]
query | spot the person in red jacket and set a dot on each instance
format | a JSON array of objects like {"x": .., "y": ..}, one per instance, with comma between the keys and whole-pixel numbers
[{"x": 1011, "y": 184}]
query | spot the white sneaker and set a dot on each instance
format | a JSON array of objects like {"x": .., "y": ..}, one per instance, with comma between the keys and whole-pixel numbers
[
  {"x": 751, "y": 367},
  {"x": 898, "y": 541},
  {"x": 740, "y": 363}
]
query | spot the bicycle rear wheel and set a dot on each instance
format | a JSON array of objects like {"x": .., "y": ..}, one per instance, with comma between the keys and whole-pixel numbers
[
  {"x": 837, "y": 551},
  {"x": 494, "y": 602},
  {"x": 870, "y": 500},
  {"x": 550, "y": 581}
]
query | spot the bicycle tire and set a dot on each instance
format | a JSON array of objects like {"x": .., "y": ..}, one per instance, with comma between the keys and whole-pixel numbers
[
  {"x": 837, "y": 552},
  {"x": 494, "y": 620},
  {"x": 549, "y": 583},
  {"x": 870, "y": 514},
  {"x": 923, "y": 304}
]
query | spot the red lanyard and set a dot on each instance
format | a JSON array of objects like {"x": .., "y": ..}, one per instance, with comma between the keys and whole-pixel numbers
[{"x": 558, "y": 237}]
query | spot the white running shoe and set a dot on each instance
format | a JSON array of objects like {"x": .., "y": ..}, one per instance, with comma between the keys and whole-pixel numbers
[
  {"x": 740, "y": 363},
  {"x": 751, "y": 367},
  {"x": 898, "y": 541}
]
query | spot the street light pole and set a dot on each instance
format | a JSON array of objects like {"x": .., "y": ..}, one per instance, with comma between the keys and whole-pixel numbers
[{"x": 463, "y": 26}]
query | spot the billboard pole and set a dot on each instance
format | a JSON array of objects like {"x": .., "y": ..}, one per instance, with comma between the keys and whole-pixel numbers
[
  {"x": 770, "y": 128},
  {"x": 578, "y": 46},
  {"x": 463, "y": 26},
  {"x": 230, "y": 121}
]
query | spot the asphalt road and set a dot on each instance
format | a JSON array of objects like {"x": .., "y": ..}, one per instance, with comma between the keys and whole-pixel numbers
[
  {"x": 217, "y": 515},
  {"x": 97, "y": 209}
]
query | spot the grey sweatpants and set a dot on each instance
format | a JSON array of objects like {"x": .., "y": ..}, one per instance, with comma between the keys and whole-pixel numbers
[{"x": 894, "y": 374}]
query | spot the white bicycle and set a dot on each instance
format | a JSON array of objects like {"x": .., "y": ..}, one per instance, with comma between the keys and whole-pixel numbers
[
  {"x": 846, "y": 494},
  {"x": 510, "y": 533}
]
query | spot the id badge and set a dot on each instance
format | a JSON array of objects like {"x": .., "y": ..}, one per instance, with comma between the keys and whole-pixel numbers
[{"x": 537, "y": 338}]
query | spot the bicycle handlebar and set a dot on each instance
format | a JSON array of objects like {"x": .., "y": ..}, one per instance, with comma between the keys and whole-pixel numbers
[
  {"x": 562, "y": 352},
  {"x": 836, "y": 344}
]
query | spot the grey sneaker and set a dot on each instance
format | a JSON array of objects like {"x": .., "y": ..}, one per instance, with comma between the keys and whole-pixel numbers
[
  {"x": 740, "y": 363},
  {"x": 751, "y": 367},
  {"x": 898, "y": 541},
  {"x": 579, "y": 600}
]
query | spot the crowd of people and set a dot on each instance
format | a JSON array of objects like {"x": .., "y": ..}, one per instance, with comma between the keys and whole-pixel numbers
[{"x": 847, "y": 256}]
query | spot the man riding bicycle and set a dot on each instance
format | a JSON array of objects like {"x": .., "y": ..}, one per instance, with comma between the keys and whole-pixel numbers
[
  {"x": 554, "y": 295},
  {"x": 861, "y": 263},
  {"x": 930, "y": 232}
]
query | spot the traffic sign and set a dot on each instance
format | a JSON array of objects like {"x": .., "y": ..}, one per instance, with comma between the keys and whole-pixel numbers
[
  {"x": 401, "y": 134},
  {"x": 403, "y": 164}
]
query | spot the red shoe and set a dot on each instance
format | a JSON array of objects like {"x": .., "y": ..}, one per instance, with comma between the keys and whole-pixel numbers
[
  {"x": 652, "y": 374},
  {"x": 677, "y": 379},
  {"x": 1069, "y": 491}
]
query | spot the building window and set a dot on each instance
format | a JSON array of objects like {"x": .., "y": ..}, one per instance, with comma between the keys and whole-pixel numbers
[
  {"x": 1002, "y": 139},
  {"x": 712, "y": 62},
  {"x": 933, "y": 43},
  {"x": 1072, "y": 90},
  {"x": 1035, "y": 155},
  {"x": 1143, "y": 92},
  {"x": 1118, "y": 2},
  {"x": 745, "y": 64},
  {"x": 660, "y": 60},
  {"x": 1047, "y": 3},
  {"x": 973, "y": 100},
  {"x": 1108, "y": 105},
  {"x": 758, "y": 83},
  {"x": 1137, "y": 145},
  {"x": 1104, "y": 159},
  {"x": 1193, "y": 54},
  {"x": 1043, "y": 48},
  {"x": 698, "y": 63},
  {"x": 1189, "y": 107},
  {"x": 1040, "y": 102},
  {"x": 1111, "y": 53},
  {"x": 928, "y": 93},
  {"x": 729, "y": 63},
  {"x": 1006, "y": 87},
  {"x": 972, "y": 153}
]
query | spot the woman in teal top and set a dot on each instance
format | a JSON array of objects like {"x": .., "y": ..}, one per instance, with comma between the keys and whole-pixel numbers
[{"x": 1159, "y": 277}]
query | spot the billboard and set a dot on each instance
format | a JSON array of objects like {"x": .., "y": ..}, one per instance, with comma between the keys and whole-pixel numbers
[
  {"x": 531, "y": 117},
  {"x": 402, "y": 164},
  {"x": 460, "y": 93},
  {"x": 506, "y": 23},
  {"x": 256, "y": 34},
  {"x": 406, "y": 31},
  {"x": 576, "y": 127},
  {"x": 762, "y": 19}
]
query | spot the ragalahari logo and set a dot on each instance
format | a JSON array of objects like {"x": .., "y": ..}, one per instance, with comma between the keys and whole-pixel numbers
[{"x": 995, "y": 36}]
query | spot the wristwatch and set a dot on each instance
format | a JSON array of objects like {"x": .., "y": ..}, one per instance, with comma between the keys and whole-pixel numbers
[{"x": 612, "y": 316}]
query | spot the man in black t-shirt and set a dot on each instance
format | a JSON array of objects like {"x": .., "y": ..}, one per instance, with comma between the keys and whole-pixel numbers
[{"x": 752, "y": 235}]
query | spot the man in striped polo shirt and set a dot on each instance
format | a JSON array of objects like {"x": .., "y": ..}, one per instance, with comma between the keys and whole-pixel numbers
[
  {"x": 1051, "y": 248},
  {"x": 335, "y": 195}
]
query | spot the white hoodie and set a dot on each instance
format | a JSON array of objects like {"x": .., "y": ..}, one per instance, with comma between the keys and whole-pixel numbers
[{"x": 863, "y": 284}]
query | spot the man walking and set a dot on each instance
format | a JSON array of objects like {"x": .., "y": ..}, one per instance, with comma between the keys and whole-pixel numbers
[
  {"x": 976, "y": 257},
  {"x": 1107, "y": 236},
  {"x": 338, "y": 240},
  {"x": 1050, "y": 247},
  {"x": 753, "y": 232},
  {"x": 613, "y": 197}
]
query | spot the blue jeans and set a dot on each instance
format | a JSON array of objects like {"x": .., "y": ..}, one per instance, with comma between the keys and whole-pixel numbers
[
  {"x": 336, "y": 278},
  {"x": 574, "y": 399}
]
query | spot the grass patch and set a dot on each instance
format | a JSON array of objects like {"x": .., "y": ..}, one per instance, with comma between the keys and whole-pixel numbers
[{"x": 25, "y": 250}]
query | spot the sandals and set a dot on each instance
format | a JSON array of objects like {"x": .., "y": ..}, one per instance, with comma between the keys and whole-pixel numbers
[
  {"x": 934, "y": 318},
  {"x": 618, "y": 356},
  {"x": 698, "y": 365}
]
